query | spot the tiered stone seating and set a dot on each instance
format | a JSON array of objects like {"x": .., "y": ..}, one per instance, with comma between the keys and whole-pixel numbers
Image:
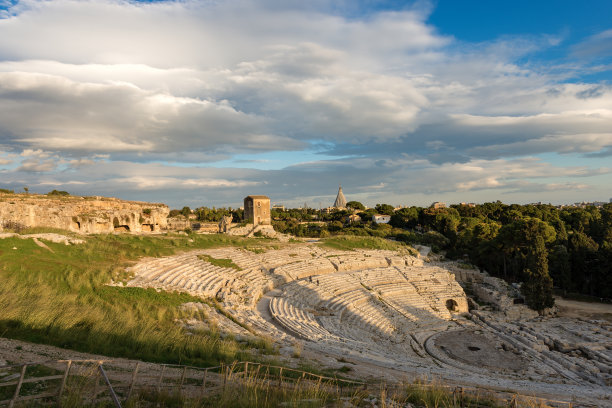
[
  {"x": 368, "y": 302},
  {"x": 297, "y": 320},
  {"x": 242, "y": 258},
  {"x": 184, "y": 272},
  {"x": 381, "y": 276},
  {"x": 345, "y": 263},
  {"x": 368, "y": 316},
  {"x": 309, "y": 267}
]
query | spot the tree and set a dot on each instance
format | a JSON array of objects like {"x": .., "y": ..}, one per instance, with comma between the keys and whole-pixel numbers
[
  {"x": 355, "y": 205},
  {"x": 405, "y": 218},
  {"x": 538, "y": 285},
  {"x": 560, "y": 267},
  {"x": 186, "y": 211},
  {"x": 384, "y": 209},
  {"x": 583, "y": 259}
]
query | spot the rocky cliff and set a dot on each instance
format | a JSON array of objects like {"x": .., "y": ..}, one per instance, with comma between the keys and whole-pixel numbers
[{"x": 89, "y": 215}]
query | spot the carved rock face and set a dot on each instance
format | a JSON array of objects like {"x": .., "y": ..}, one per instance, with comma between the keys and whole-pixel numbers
[{"x": 89, "y": 215}]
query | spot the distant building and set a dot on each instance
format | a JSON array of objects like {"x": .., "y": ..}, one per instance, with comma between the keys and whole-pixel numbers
[
  {"x": 278, "y": 207},
  {"x": 381, "y": 218},
  {"x": 257, "y": 209},
  {"x": 353, "y": 218},
  {"x": 340, "y": 199},
  {"x": 328, "y": 210},
  {"x": 437, "y": 204},
  {"x": 468, "y": 204},
  {"x": 586, "y": 204}
]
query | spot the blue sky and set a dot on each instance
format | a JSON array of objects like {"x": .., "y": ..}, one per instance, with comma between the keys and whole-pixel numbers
[{"x": 202, "y": 103}]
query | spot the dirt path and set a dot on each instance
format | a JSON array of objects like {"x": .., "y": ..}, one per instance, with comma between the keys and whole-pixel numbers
[{"x": 584, "y": 310}]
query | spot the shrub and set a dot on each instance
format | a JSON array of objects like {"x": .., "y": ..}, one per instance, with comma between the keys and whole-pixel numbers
[{"x": 58, "y": 193}]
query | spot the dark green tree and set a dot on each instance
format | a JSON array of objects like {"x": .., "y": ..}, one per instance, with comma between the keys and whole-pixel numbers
[
  {"x": 384, "y": 209},
  {"x": 405, "y": 218},
  {"x": 355, "y": 205},
  {"x": 538, "y": 285}
]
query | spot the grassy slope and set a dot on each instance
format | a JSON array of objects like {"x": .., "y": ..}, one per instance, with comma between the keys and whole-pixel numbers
[
  {"x": 349, "y": 242},
  {"x": 61, "y": 299}
]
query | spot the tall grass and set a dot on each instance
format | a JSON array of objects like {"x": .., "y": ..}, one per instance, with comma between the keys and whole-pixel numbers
[{"x": 61, "y": 298}]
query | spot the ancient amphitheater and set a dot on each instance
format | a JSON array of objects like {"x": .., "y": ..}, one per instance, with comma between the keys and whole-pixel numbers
[{"x": 394, "y": 316}]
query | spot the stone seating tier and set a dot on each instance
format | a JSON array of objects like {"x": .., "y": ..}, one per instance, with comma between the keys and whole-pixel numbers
[{"x": 331, "y": 297}]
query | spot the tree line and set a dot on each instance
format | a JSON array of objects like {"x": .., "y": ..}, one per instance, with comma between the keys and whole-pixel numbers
[{"x": 540, "y": 245}]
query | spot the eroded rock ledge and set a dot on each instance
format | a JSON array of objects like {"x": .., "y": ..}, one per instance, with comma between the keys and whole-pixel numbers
[{"x": 88, "y": 215}]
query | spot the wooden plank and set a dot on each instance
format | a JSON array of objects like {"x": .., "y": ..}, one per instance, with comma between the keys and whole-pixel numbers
[
  {"x": 183, "y": 377},
  {"x": 133, "y": 381},
  {"x": 18, "y": 388},
  {"x": 161, "y": 377},
  {"x": 110, "y": 387},
  {"x": 48, "y": 378},
  {"x": 38, "y": 396},
  {"x": 9, "y": 383},
  {"x": 204, "y": 381},
  {"x": 63, "y": 385}
]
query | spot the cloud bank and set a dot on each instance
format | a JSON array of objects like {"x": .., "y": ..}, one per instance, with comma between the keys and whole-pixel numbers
[{"x": 157, "y": 100}]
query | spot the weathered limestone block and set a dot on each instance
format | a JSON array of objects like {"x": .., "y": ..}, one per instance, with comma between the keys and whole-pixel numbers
[
  {"x": 89, "y": 215},
  {"x": 350, "y": 263}
]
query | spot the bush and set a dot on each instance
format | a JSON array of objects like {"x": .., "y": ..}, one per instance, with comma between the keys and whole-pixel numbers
[{"x": 58, "y": 193}]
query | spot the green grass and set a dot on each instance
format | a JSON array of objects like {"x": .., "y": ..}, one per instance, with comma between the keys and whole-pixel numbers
[
  {"x": 348, "y": 243},
  {"x": 61, "y": 298},
  {"x": 221, "y": 262}
]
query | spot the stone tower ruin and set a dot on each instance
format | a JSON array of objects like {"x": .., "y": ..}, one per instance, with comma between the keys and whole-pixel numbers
[{"x": 257, "y": 210}]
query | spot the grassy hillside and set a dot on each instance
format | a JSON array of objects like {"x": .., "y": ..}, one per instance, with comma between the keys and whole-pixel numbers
[
  {"x": 350, "y": 242},
  {"x": 61, "y": 298}
]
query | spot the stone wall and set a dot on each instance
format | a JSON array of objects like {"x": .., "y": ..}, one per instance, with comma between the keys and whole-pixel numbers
[{"x": 89, "y": 215}]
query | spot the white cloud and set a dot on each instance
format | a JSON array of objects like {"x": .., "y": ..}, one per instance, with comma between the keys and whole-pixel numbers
[{"x": 98, "y": 86}]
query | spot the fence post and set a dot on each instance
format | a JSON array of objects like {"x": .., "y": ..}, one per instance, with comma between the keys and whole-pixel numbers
[
  {"x": 96, "y": 383},
  {"x": 64, "y": 380},
  {"x": 183, "y": 377},
  {"x": 161, "y": 377},
  {"x": 204, "y": 380},
  {"x": 18, "y": 389},
  {"x": 224, "y": 370},
  {"x": 280, "y": 378},
  {"x": 110, "y": 387},
  {"x": 458, "y": 390},
  {"x": 246, "y": 370},
  {"x": 133, "y": 381}
]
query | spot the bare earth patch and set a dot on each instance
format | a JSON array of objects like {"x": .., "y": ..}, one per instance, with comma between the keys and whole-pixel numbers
[{"x": 583, "y": 310}]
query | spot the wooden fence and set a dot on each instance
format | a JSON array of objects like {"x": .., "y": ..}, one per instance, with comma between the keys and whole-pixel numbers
[{"x": 118, "y": 380}]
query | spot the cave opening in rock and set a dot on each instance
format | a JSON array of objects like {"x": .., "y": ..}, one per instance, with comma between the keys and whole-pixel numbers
[{"x": 452, "y": 305}]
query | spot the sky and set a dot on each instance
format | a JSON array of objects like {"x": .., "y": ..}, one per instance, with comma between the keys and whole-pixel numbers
[{"x": 201, "y": 103}]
